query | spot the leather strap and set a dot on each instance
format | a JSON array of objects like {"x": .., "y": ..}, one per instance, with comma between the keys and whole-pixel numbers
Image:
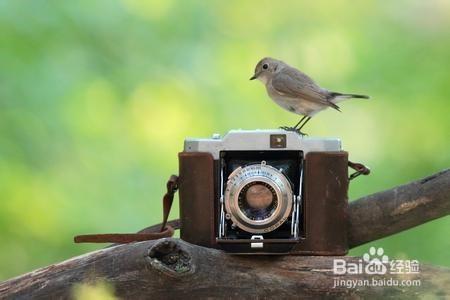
[
  {"x": 150, "y": 233},
  {"x": 359, "y": 168},
  {"x": 123, "y": 238},
  {"x": 172, "y": 187}
]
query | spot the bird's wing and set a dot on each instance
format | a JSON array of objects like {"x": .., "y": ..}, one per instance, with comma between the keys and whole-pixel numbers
[{"x": 293, "y": 83}]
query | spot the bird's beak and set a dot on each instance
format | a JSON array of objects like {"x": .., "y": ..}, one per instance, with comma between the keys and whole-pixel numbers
[{"x": 255, "y": 76}]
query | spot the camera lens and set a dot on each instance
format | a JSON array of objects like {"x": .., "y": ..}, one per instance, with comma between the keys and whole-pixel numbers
[
  {"x": 257, "y": 200},
  {"x": 259, "y": 195}
]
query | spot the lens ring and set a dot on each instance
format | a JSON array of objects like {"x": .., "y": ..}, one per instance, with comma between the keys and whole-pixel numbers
[{"x": 269, "y": 176}]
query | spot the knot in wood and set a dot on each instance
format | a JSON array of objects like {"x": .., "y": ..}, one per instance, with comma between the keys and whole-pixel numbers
[{"x": 169, "y": 257}]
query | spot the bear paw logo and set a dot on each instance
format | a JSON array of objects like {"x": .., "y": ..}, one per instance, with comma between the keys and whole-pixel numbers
[{"x": 376, "y": 261}]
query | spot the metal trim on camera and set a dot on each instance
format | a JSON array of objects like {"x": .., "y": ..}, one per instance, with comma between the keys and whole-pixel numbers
[{"x": 266, "y": 213}]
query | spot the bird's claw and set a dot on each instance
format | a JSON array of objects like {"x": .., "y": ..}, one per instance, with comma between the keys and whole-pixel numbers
[{"x": 293, "y": 129}]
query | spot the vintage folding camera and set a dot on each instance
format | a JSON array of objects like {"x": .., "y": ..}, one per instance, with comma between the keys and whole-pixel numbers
[{"x": 265, "y": 192}]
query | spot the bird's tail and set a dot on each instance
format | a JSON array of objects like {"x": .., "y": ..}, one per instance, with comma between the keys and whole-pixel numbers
[{"x": 341, "y": 96}]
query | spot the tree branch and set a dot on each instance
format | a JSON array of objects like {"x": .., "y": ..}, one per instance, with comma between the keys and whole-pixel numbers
[
  {"x": 171, "y": 268},
  {"x": 403, "y": 207},
  {"x": 174, "y": 269}
]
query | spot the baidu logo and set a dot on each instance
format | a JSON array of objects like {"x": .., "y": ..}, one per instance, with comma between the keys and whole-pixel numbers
[{"x": 375, "y": 261}]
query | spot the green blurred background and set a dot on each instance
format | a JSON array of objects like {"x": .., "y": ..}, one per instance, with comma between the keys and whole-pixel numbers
[{"x": 96, "y": 98}]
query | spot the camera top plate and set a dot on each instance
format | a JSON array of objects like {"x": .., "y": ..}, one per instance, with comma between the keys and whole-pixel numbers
[{"x": 261, "y": 139}]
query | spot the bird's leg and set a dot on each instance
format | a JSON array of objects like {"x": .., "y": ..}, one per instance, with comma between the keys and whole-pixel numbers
[
  {"x": 304, "y": 123},
  {"x": 294, "y": 127},
  {"x": 299, "y": 122},
  {"x": 287, "y": 128}
]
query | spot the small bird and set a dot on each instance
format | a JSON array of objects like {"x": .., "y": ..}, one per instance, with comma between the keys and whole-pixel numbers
[{"x": 295, "y": 91}]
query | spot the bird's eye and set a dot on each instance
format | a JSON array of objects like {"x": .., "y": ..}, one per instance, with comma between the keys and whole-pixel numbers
[{"x": 265, "y": 66}]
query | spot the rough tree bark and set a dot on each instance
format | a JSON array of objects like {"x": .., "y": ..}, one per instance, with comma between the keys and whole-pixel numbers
[
  {"x": 403, "y": 207},
  {"x": 171, "y": 268}
]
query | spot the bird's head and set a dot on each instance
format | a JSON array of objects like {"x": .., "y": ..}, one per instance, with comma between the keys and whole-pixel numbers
[{"x": 266, "y": 68}]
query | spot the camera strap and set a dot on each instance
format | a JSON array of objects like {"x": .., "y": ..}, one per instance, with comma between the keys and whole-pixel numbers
[
  {"x": 359, "y": 168},
  {"x": 165, "y": 229}
]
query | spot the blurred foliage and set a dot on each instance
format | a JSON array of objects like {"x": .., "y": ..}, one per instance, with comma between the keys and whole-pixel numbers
[{"x": 96, "y": 98}]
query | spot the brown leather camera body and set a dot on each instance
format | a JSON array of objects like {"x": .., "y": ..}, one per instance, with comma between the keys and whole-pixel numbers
[{"x": 323, "y": 210}]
